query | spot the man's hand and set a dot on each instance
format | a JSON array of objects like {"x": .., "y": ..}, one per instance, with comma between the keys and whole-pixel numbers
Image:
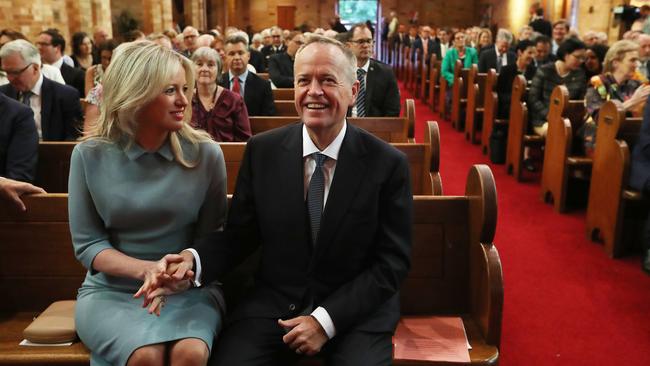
[
  {"x": 304, "y": 335},
  {"x": 11, "y": 190}
]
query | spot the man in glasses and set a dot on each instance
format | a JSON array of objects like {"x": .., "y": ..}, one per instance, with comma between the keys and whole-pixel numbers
[
  {"x": 276, "y": 46},
  {"x": 378, "y": 92},
  {"x": 281, "y": 64},
  {"x": 56, "y": 107},
  {"x": 51, "y": 46}
]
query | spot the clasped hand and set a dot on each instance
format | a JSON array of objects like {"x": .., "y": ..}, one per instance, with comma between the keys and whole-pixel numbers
[{"x": 168, "y": 276}]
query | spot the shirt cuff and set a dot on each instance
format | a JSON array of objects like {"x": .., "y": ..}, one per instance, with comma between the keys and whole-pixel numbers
[
  {"x": 323, "y": 317},
  {"x": 197, "y": 271}
]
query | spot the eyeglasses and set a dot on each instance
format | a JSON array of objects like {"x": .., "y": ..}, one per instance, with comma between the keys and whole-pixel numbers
[
  {"x": 362, "y": 41},
  {"x": 43, "y": 44},
  {"x": 18, "y": 72}
]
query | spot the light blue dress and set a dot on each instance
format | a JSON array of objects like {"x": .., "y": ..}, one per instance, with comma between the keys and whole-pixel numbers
[{"x": 145, "y": 205}]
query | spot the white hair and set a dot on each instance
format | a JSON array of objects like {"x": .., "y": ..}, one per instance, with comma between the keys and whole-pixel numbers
[
  {"x": 504, "y": 35},
  {"x": 351, "y": 70},
  {"x": 242, "y": 34},
  {"x": 26, "y": 50},
  {"x": 257, "y": 37},
  {"x": 207, "y": 53}
]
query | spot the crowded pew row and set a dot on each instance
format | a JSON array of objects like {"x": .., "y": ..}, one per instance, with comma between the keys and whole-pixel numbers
[
  {"x": 456, "y": 271},
  {"x": 424, "y": 158},
  {"x": 615, "y": 212}
]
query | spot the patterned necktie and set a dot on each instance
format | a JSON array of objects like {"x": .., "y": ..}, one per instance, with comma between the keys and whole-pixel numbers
[
  {"x": 236, "y": 87},
  {"x": 361, "y": 96},
  {"x": 500, "y": 62},
  {"x": 26, "y": 97},
  {"x": 315, "y": 195}
]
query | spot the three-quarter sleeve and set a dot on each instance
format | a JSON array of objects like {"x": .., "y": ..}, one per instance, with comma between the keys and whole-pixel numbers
[{"x": 89, "y": 236}]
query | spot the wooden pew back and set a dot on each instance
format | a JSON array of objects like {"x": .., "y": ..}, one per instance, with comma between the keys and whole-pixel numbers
[
  {"x": 285, "y": 108},
  {"x": 283, "y": 94},
  {"x": 475, "y": 102},
  {"x": 490, "y": 100},
  {"x": 432, "y": 83},
  {"x": 614, "y": 209},
  {"x": 459, "y": 96},
  {"x": 53, "y": 165},
  {"x": 518, "y": 136},
  {"x": 565, "y": 117}
]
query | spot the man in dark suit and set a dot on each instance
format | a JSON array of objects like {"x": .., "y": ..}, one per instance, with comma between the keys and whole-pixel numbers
[
  {"x": 400, "y": 37},
  {"x": 281, "y": 64},
  {"x": 56, "y": 107},
  {"x": 276, "y": 46},
  {"x": 255, "y": 90},
  {"x": 413, "y": 35},
  {"x": 51, "y": 46},
  {"x": 427, "y": 45},
  {"x": 331, "y": 206},
  {"x": 499, "y": 55},
  {"x": 18, "y": 141},
  {"x": 539, "y": 24},
  {"x": 640, "y": 177},
  {"x": 379, "y": 94}
]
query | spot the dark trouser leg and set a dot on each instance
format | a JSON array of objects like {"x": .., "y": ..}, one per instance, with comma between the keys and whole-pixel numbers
[
  {"x": 359, "y": 349},
  {"x": 251, "y": 342},
  {"x": 645, "y": 256}
]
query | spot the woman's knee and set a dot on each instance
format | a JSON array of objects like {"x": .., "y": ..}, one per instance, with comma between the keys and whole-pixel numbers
[
  {"x": 188, "y": 352},
  {"x": 148, "y": 356}
]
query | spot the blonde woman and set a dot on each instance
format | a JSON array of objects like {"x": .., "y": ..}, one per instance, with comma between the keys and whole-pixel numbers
[{"x": 144, "y": 184}]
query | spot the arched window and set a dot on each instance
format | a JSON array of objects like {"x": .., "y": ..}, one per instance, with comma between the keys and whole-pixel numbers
[{"x": 357, "y": 11}]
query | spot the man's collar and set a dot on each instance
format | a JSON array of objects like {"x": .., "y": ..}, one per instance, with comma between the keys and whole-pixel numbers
[
  {"x": 58, "y": 63},
  {"x": 332, "y": 151},
  {"x": 366, "y": 66},
  {"x": 36, "y": 89},
  {"x": 242, "y": 77},
  {"x": 496, "y": 49}
]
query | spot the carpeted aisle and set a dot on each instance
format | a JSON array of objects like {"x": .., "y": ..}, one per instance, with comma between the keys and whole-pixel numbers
[{"x": 566, "y": 302}]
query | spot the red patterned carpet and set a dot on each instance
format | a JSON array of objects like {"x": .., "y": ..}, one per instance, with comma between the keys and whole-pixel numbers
[{"x": 566, "y": 302}]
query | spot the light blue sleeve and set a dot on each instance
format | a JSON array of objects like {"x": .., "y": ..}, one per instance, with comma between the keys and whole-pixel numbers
[{"x": 89, "y": 236}]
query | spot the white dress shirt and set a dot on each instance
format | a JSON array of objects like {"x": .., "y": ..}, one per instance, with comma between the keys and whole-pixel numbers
[
  {"x": 35, "y": 103},
  {"x": 329, "y": 166},
  {"x": 365, "y": 68}
]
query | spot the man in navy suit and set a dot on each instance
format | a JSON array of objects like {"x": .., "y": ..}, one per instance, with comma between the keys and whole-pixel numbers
[
  {"x": 56, "y": 107},
  {"x": 640, "y": 176},
  {"x": 281, "y": 64},
  {"x": 427, "y": 45},
  {"x": 498, "y": 55},
  {"x": 18, "y": 141},
  {"x": 276, "y": 46},
  {"x": 256, "y": 91},
  {"x": 379, "y": 91},
  {"x": 331, "y": 207}
]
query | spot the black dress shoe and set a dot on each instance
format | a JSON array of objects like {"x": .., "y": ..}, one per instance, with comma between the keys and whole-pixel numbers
[
  {"x": 529, "y": 165},
  {"x": 645, "y": 263}
]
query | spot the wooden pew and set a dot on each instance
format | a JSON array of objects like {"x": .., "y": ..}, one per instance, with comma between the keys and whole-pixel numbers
[
  {"x": 389, "y": 129},
  {"x": 285, "y": 108},
  {"x": 459, "y": 96},
  {"x": 518, "y": 136},
  {"x": 565, "y": 117},
  {"x": 442, "y": 96},
  {"x": 405, "y": 61},
  {"x": 416, "y": 73},
  {"x": 490, "y": 103},
  {"x": 475, "y": 105},
  {"x": 283, "y": 94},
  {"x": 615, "y": 211},
  {"x": 456, "y": 271},
  {"x": 430, "y": 84}
]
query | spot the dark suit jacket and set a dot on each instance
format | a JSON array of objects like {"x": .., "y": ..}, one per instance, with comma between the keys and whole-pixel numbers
[
  {"x": 488, "y": 59},
  {"x": 640, "y": 172},
  {"x": 267, "y": 52},
  {"x": 18, "y": 141},
  {"x": 432, "y": 48},
  {"x": 60, "y": 110},
  {"x": 382, "y": 93},
  {"x": 281, "y": 70},
  {"x": 363, "y": 250},
  {"x": 542, "y": 26},
  {"x": 257, "y": 95},
  {"x": 257, "y": 60},
  {"x": 76, "y": 78}
]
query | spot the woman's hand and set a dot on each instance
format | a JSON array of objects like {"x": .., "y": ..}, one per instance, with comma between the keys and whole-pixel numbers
[
  {"x": 640, "y": 95},
  {"x": 155, "y": 274},
  {"x": 159, "y": 296}
]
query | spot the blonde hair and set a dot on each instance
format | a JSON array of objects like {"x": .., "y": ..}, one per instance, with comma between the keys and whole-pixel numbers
[
  {"x": 617, "y": 53},
  {"x": 138, "y": 73}
]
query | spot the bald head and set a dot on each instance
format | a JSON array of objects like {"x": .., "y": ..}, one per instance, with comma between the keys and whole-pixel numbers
[{"x": 644, "y": 46}]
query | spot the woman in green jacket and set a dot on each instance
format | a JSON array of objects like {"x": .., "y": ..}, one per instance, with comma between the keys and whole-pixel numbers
[{"x": 467, "y": 55}]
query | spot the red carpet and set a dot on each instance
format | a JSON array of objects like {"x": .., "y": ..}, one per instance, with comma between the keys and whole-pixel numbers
[{"x": 566, "y": 302}]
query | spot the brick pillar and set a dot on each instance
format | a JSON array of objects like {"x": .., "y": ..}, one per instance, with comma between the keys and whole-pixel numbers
[
  {"x": 195, "y": 13},
  {"x": 102, "y": 16}
]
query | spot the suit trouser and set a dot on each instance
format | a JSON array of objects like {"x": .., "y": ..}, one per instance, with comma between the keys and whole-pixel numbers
[{"x": 258, "y": 341}]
